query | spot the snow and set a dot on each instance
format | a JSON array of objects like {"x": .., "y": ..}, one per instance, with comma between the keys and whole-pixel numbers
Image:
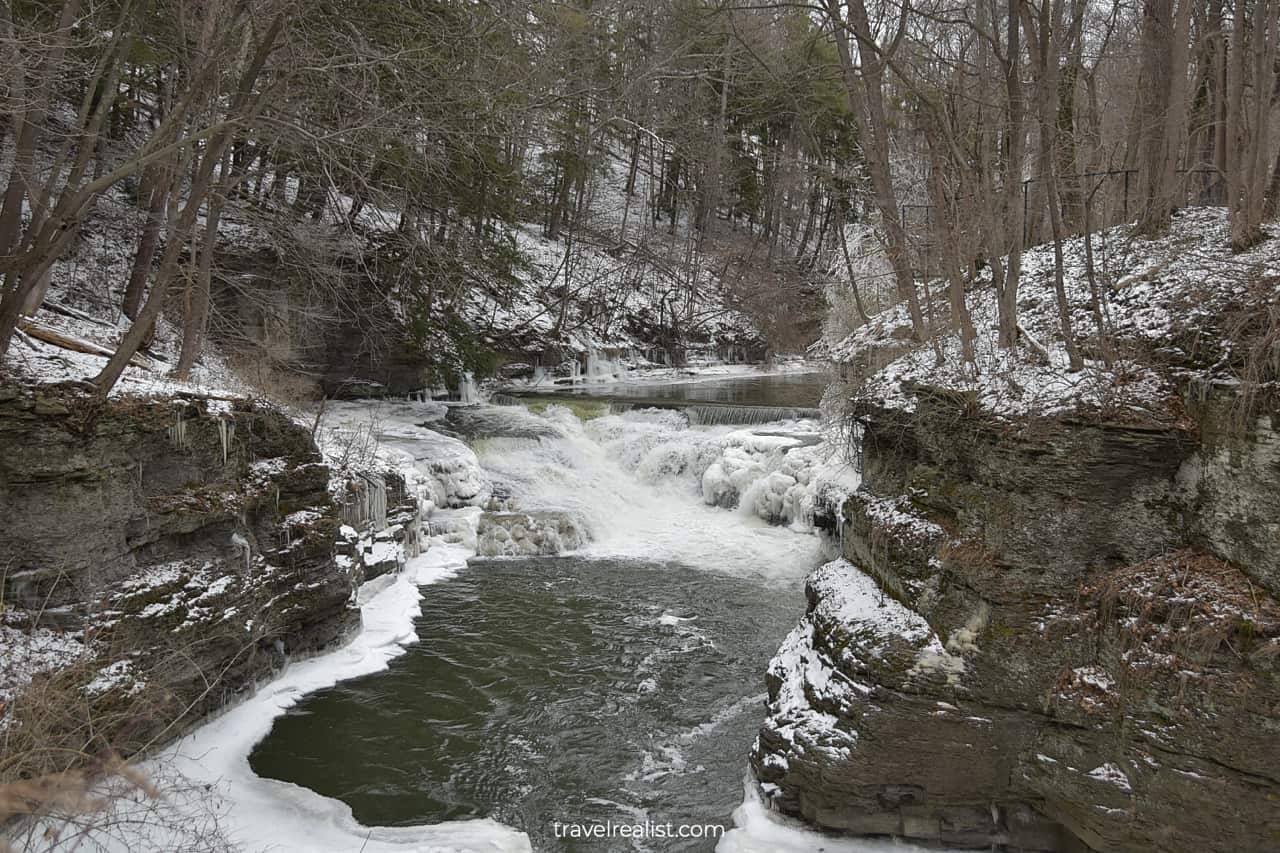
[
  {"x": 1165, "y": 303},
  {"x": 371, "y": 434},
  {"x": 36, "y": 361},
  {"x": 871, "y": 625},
  {"x": 851, "y": 598},
  {"x": 30, "y": 653},
  {"x": 897, "y": 514},
  {"x": 1112, "y": 775},
  {"x": 756, "y": 829},
  {"x": 1095, "y": 677},
  {"x": 802, "y": 671},
  {"x": 112, "y": 676},
  {"x": 212, "y": 763}
]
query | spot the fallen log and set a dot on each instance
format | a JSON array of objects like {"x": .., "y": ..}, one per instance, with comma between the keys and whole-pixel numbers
[{"x": 49, "y": 335}]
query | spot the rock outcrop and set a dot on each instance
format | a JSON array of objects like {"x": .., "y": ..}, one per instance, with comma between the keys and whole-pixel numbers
[
  {"x": 188, "y": 544},
  {"x": 1053, "y": 635}
]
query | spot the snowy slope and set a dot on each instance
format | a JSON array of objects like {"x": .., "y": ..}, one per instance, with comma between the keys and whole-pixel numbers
[{"x": 1177, "y": 308}]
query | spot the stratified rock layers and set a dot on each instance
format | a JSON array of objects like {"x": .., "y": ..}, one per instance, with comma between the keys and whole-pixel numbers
[
  {"x": 188, "y": 543},
  {"x": 1049, "y": 636}
]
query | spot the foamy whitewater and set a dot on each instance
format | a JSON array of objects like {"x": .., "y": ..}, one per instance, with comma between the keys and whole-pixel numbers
[{"x": 643, "y": 485}]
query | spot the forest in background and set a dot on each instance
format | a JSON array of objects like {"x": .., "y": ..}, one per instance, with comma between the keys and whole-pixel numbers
[{"x": 382, "y": 154}]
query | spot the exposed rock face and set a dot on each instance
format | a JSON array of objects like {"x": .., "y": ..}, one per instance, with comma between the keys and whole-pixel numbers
[
  {"x": 192, "y": 546},
  {"x": 1066, "y": 638}
]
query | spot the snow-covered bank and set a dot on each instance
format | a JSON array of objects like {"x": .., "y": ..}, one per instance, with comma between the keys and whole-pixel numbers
[
  {"x": 218, "y": 794},
  {"x": 756, "y": 829},
  {"x": 1155, "y": 314},
  {"x": 638, "y": 481}
]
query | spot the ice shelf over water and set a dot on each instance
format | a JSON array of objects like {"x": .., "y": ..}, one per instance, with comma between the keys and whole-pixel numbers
[
  {"x": 644, "y": 484},
  {"x": 209, "y": 792}
]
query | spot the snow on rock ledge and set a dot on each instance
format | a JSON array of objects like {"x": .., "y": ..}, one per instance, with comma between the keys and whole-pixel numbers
[
  {"x": 846, "y": 693},
  {"x": 812, "y": 697}
]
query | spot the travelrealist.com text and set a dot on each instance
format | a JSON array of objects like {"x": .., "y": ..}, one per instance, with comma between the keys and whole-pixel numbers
[{"x": 647, "y": 829}]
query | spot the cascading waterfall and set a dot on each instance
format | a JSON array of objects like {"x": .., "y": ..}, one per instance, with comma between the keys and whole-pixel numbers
[
  {"x": 647, "y": 483},
  {"x": 468, "y": 390},
  {"x": 705, "y": 415}
]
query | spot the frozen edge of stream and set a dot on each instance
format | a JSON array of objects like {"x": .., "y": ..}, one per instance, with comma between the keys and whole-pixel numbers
[
  {"x": 210, "y": 793},
  {"x": 294, "y": 817},
  {"x": 255, "y": 813}
]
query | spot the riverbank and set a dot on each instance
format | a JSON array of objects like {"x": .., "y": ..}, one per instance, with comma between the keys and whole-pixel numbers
[
  {"x": 208, "y": 798},
  {"x": 1055, "y": 625},
  {"x": 640, "y": 486}
]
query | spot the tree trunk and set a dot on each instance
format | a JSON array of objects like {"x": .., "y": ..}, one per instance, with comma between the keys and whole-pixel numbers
[
  {"x": 947, "y": 238},
  {"x": 1045, "y": 43},
  {"x": 156, "y": 207},
  {"x": 1164, "y": 108},
  {"x": 867, "y": 102},
  {"x": 195, "y": 319},
  {"x": 1008, "y": 295},
  {"x": 848, "y": 265}
]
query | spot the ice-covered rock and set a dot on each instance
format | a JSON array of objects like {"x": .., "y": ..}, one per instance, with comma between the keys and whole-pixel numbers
[{"x": 527, "y": 534}]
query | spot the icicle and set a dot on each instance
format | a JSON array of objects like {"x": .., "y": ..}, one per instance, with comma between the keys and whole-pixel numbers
[
  {"x": 178, "y": 432},
  {"x": 468, "y": 391},
  {"x": 226, "y": 434},
  {"x": 602, "y": 368},
  {"x": 242, "y": 545},
  {"x": 378, "y": 501}
]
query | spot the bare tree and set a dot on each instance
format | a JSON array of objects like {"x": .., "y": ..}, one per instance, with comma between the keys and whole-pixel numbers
[{"x": 866, "y": 84}]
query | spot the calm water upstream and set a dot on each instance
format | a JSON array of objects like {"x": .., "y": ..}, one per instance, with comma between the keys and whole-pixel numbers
[{"x": 771, "y": 389}]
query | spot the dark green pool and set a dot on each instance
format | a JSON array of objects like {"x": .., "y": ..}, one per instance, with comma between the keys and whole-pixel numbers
[{"x": 560, "y": 689}]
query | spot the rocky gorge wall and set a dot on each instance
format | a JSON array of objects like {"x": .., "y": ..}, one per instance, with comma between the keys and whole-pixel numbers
[
  {"x": 180, "y": 549},
  {"x": 1054, "y": 636}
]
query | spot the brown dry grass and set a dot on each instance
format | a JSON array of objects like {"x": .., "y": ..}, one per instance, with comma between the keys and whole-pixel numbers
[{"x": 1188, "y": 605}]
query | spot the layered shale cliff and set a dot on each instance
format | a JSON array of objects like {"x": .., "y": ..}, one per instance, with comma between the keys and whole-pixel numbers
[
  {"x": 1049, "y": 634},
  {"x": 161, "y": 555}
]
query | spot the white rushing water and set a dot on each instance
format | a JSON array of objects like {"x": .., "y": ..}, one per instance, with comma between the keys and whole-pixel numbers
[{"x": 643, "y": 485}]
